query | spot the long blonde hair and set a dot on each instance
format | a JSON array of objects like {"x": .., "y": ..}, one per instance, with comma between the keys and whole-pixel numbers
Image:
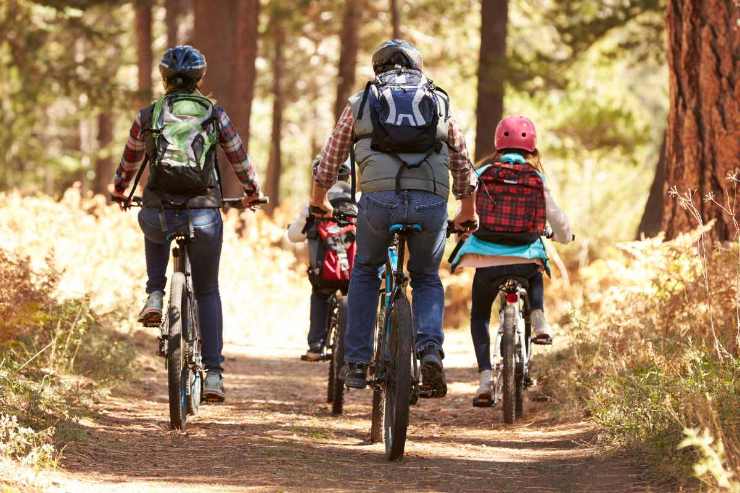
[{"x": 533, "y": 158}]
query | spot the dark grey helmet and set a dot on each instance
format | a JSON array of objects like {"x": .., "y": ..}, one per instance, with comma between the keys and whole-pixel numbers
[
  {"x": 396, "y": 52},
  {"x": 184, "y": 61}
]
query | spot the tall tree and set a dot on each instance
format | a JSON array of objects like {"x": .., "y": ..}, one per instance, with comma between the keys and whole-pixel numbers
[
  {"x": 220, "y": 33},
  {"x": 703, "y": 139},
  {"x": 173, "y": 13},
  {"x": 349, "y": 41},
  {"x": 491, "y": 73},
  {"x": 275, "y": 165},
  {"x": 143, "y": 20},
  {"x": 104, "y": 162},
  {"x": 395, "y": 19},
  {"x": 652, "y": 217}
]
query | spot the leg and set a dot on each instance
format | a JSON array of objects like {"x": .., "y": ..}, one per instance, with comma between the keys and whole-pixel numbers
[
  {"x": 373, "y": 221},
  {"x": 319, "y": 319},
  {"x": 205, "y": 254},
  {"x": 156, "y": 250},
  {"x": 484, "y": 294}
]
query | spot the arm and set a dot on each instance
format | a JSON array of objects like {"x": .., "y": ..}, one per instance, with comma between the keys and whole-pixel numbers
[
  {"x": 237, "y": 156},
  {"x": 295, "y": 230},
  {"x": 335, "y": 152},
  {"x": 464, "y": 179},
  {"x": 557, "y": 219},
  {"x": 132, "y": 158}
]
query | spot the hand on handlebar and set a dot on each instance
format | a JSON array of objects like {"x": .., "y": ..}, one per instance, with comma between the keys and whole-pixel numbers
[
  {"x": 119, "y": 198},
  {"x": 251, "y": 201},
  {"x": 324, "y": 210}
]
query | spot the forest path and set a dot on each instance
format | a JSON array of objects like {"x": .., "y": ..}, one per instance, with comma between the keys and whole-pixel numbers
[{"x": 275, "y": 433}]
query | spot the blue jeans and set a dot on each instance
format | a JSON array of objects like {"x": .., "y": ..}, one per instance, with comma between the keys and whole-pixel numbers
[
  {"x": 485, "y": 290},
  {"x": 319, "y": 316},
  {"x": 205, "y": 253},
  {"x": 377, "y": 212}
]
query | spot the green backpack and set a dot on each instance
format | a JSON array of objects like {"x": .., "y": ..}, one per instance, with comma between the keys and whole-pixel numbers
[{"x": 184, "y": 133}]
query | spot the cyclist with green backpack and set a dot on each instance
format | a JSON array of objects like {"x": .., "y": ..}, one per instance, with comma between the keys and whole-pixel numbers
[
  {"x": 400, "y": 134},
  {"x": 178, "y": 136}
]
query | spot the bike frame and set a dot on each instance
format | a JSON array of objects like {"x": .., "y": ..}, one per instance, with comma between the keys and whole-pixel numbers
[{"x": 522, "y": 333}]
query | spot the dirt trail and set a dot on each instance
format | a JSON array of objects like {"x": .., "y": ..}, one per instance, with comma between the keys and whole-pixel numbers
[{"x": 275, "y": 433}]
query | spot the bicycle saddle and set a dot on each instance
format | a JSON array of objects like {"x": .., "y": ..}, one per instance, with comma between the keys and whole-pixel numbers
[{"x": 405, "y": 228}]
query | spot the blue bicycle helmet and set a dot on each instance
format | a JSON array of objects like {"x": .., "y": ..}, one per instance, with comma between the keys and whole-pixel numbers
[
  {"x": 184, "y": 61},
  {"x": 396, "y": 52}
]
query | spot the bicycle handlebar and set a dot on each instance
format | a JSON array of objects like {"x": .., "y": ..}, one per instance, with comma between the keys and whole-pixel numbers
[
  {"x": 229, "y": 203},
  {"x": 467, "y": 227}
]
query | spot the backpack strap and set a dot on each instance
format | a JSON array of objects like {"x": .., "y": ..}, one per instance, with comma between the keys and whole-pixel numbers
[
  {"x": 445, "y": 97},
  {"x": 365, "y": 94},
  {"x": 137, "y": 178},
  {"x": 353, "y": 173}
]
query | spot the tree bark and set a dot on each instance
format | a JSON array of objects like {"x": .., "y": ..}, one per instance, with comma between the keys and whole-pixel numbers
[
  {"x": 702, "y": 142},
  {"x": 349, "y": 41},
  {"x": 104, "y": 162},
  {"x": 143, "y": 16},
  {"x": 275, "y": 164},
  {"x": 652, "y": 217},
  {"x": 215, "y": 37},
  {"x": 491, "y": 74},
  {"x": 244, "y": 73},
  {"x": 174, "y": 10},
  {"x": 395, "y": 19}
]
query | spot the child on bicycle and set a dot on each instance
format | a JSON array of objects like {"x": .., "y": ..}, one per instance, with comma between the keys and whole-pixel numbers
[
  {"x": 298, "y": 231},
  {"x": 513, "y": 203},
  {"x": 183, "y": 189}
]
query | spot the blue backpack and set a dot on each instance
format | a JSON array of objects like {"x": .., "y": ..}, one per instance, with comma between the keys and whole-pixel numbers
[{"x": 405, "y": 111}]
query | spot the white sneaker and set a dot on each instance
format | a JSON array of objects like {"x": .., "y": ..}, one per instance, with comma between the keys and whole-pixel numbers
[
  {"x": 541, "y": 330},
  {"x": 484, "y": 394}
]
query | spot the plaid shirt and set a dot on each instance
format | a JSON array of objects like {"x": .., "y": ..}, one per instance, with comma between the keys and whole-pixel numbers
[
  {"x": 336, "y": 151},
  {"x": 228, "y": 138}
]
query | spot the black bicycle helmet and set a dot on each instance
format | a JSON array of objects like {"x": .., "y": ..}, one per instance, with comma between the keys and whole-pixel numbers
[
  {"x": 184, "y": 61},
  {"x": 396, "y": 52}
]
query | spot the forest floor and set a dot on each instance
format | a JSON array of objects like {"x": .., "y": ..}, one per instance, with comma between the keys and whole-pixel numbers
[{"x": 275, "y": 433}]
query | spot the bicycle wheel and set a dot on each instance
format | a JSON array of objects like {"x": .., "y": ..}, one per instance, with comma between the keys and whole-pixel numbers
[
  {"x": 519, "y": 391},
  {"x": 177, "y": 372},
  {"x": 331, "y": 340},
  {"x": 507, "y": 354},
  {"x": 376, "y": 424},
  {"x": 398, "y": 379},
  {"x": 192, "y": 332},
  {"x": 337, "y": 357}
]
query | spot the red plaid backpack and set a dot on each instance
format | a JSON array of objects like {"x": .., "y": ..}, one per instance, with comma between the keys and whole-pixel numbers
[{"x": 511, "y": 204}]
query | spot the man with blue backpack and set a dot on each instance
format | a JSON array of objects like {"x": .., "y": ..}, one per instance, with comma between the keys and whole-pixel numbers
[{"x": 400, "y": 134}]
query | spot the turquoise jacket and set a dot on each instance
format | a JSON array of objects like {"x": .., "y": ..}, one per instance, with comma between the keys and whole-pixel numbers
[{"x": 475, "y": 246}]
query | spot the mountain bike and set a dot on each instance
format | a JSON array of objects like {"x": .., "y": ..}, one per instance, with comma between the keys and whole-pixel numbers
[
  {"x": 180, "y": 334},
  {"x": 336, "y": 324}
]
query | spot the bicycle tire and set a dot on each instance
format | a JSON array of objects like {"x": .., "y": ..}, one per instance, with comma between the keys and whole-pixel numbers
[
  {"x": 376, "y": 420},
  {"x": 398, "y": 379},
  {"x": 337, "y": 357},
  {"x": 331, "y": 339},
  {"x": 376, "y": 425},
  {"x": 519, "y": 392},
  {"x": 176, "y": 367},
  {"x": 507, "y": 353}
]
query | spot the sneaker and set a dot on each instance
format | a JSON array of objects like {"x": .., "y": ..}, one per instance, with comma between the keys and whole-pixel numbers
[
  {"x": 213, "y": 387},
  {"x": 484, "y": 394},
  {"x": 355, "y": 375},
  {"x": 433, "y": 382},
  {"x": 542, "y": 332},
  {"x": 313, "y": 354},
  {"x": 151, "y": 314}
]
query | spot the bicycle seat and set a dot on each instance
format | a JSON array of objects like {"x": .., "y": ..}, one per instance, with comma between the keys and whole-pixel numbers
[
  {"x": 501, "y": 281},
  {"x": 405, "y": 228}
]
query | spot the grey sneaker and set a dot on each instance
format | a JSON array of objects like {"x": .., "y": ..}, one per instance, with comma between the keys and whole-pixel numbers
[
  {"x": 151, "y": 314},
  {"x": 213, "y": 388},
  {"x": 541, "y": 330},
  {"x": 484, "y": 394}
]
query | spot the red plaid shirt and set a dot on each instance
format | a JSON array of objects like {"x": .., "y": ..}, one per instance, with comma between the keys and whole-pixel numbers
[
  {"x": 336, "y": 151},
  {"x": 228, "y": 138}
]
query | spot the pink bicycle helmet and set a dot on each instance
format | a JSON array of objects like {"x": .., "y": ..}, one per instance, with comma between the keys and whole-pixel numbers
[{"x": 516, "y": 132}]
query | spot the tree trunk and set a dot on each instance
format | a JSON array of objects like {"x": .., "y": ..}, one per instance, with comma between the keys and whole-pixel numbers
[
  {"x": 278, "y": 68},
  {"x": 214, "y": 34},
  {"x": 349, "y": 41},
  {"x": 652, "y": 217},
  {"x": 104, "y": 163},
  {"x": 702, "y": 142},
  {"x": 491, "y": 73},
  {"x": 244, "y": 74},
  {"x": 174, "y": 10},
  {"x": 395, "y": 19},
  {"x": 143, "y": 15}
]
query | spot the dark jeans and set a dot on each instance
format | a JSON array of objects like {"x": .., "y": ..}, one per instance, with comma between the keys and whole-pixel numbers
[
  {"x": 377, "y": 212},
  {"x": 205, "y": 253},
  {"x": 484, "y": 294},
  {"x": 319, "y": 315}
]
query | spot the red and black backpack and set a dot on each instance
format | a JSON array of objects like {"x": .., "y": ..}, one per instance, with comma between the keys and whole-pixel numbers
[
  {"x": 332, "y": 248},
  {"x": 511, "y": 204}
]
